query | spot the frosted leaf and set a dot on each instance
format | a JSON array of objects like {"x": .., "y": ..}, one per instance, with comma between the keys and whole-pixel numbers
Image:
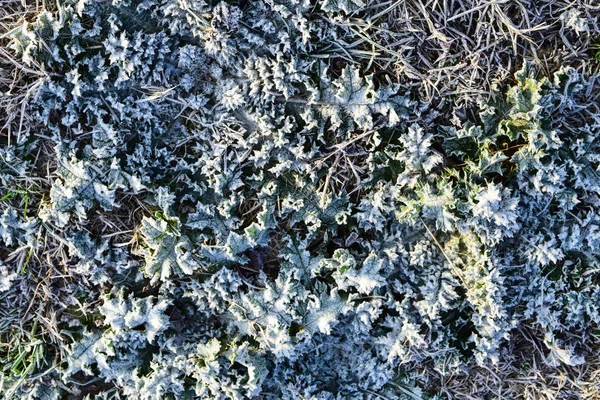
[
  {"x": 353, "y": 96},
  {"x": 9, "y": 222},
  {"x": 164, "y": 199},
  {"x": 226, "y": 17},
  {"x": 124, "y": 314},
  {"x": 6, "y": 278},
  {"x": 494, "y": 204},
  {"x": 207, "y": 217},
  {"x": 210, "y": 350},
  {"x": 324, "y": 311},
  {"x": 105, "y": 141},
  {"x": 417, "y": 155},
  {"x": 560, "y": 355},
  {"x": 81, "y": 355},
  {"x": 572, "y": 19},
  {"x": 347, "y": 6},
  {"x": 168, "y": 254},
  {"x": 344, "y": 270}
]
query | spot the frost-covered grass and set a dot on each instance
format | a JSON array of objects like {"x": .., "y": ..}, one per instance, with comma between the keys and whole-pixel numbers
[{"x": 293, "y": 199}]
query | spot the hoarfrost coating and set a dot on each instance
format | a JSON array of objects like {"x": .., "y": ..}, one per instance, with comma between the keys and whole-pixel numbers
[{"x": 299, "y": 200}]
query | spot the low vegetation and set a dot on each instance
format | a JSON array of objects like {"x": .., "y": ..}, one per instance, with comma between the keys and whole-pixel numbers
[{"x": 294, "y": 199}]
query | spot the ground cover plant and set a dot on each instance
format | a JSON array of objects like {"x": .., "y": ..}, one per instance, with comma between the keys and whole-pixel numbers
[{"x": 294, "y": 199}]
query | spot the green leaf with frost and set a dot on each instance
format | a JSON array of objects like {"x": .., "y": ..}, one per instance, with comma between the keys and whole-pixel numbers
[
  {"x": 167, "y": 253},
  {"x": 353, "y": 96},
  {"x": 123, "y": 314},
  {"x": 347, "y": 6},
  {"x": 324, "y": 310}
]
